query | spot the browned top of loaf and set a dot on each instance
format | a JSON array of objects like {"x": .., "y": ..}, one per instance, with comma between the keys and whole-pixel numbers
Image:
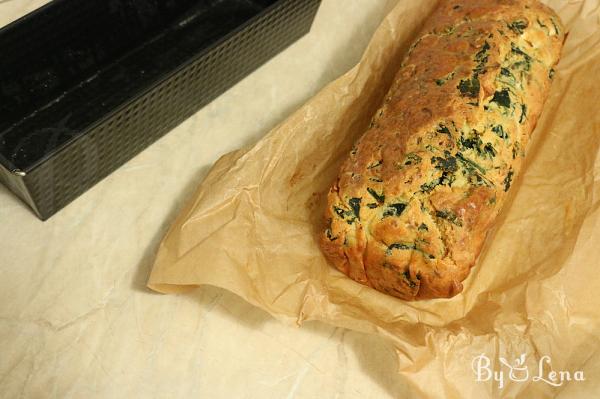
[{"x": 418, "y": 193}]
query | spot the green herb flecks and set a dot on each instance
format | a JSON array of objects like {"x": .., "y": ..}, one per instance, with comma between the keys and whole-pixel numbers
[
  {"x": 506, "y": 77},
  {"x": 469, "y": 165},
  {"x": 500, "y": 132},
  {"x": 401, "y": 245},
  {"x": 481, "y": 58},
  {"x": 449, "y": 216},
  {"x": 443, "y": 129},
  {"x": 551, "y": 73},
  {"x": 516, "y": 149},
  {"x": 448, "y": 30},
  {"x": 355, "y": 206},
  {"x": 372, "y": 205},
  {"x": 346, "y": 215},
  {"x": 423, "y": 227},
  {"x": 349, "y": 215},
  {"x": 523, "y": 116},
  {"x": 469, "y": 87},
  {"x": 406, "y": 277},
  {"x": 431, "y": 148},
  {"x": 441, "y": 81},
  {"x": 428, "y": 187},
  {"x": 447, "y": 164},
  {"x": 412, "y": 159},
  {"x": 339, "y": 211},
  {"x": 508, "y": 179},
  {"x": 375, "y": 164},
  {"x": 502, "y": 98},
  {"x": 489, "y": 150},
  {"x": 330, "y": 235},
  {"x": 518, "y": 26},
  {"x": 555, "y": 26},
  {"x": 481, "y": 55},
  {"x": 524, "y": 66},
  {"x": 522, "y": 63},
  {"x": 506, "y": 72},
  {"x": 447, "y": 178},
  {"x": 515, "y": 49},
  {"x": 394, "y": 209},
  {"x": 380, "y": 198},
  {"x": 471, "y": 141}
]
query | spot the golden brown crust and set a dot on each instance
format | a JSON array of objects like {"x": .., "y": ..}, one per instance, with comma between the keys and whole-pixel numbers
[{"x": 414, "y": 200}]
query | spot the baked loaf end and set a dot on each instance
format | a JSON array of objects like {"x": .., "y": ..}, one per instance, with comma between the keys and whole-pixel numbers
[{"x": 413, "y": 202}]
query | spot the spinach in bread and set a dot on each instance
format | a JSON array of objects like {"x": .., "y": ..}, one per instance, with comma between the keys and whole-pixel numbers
[{"x": 413, "y": 203}]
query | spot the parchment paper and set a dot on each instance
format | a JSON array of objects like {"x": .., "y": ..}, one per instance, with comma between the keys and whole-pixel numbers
[{"x": 250, "y": 228}]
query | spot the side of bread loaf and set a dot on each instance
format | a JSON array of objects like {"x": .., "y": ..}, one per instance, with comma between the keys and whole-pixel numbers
[{"x": 413, "y": 202}]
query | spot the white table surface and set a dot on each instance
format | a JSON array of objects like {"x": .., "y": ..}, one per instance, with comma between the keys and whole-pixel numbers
[{"x": 76, "y": 320}]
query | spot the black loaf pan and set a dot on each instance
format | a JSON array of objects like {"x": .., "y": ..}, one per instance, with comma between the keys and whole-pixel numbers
[{"x": 86, "y": 85}]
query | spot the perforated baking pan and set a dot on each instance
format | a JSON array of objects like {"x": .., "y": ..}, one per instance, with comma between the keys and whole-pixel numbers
[{"x": 86, "y": 85}]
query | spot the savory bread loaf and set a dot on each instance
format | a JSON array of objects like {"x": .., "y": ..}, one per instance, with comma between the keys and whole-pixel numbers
[{"x": 413, "y": 202}]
